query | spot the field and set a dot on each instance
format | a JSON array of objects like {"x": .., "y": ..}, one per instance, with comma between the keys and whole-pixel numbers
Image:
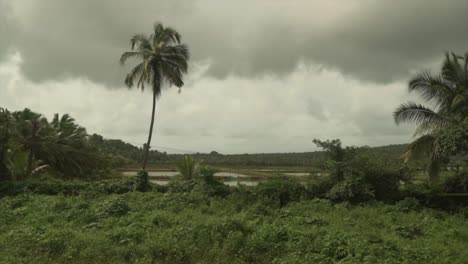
[{"x": 242, "y": 227}]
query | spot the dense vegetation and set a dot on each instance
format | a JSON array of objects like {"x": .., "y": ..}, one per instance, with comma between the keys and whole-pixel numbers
[
  {"x": 196, "y": 222},
  {"x": 32, "y": 144}
]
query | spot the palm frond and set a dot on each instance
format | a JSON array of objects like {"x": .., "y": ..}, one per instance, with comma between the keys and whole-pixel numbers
[
  {"x": 432, "y": 88},
  {"x": 142, "y": 41},
  {"x": 416, "y": 113},
  {"x": 129, "y": 54},
  {"x": 137, "y": 70}
]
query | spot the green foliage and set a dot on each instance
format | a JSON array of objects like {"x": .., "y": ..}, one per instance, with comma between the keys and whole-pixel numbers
[
  {"x": 409, "y": 204},
  {"x": 188, "y": 167},
  {"x": 457, "y": 183},
  {"x": 209, "y": 188},
  {"x": 142, "y": 182},
  {"x": 280, "y": 191},
  {"x": 337, "y": 154},
  {"x": 353, "y": 190},
  {"x": 33, "y": 143},
  {"x": 188, "y": 228},
  {"x": 114, "y": 207},
  {"x": 17, "y": 164},
  {"x": 104, "y": 187},
  {"x": 5, "y": 131},
  {"x": 207, "y": 173},
  {"x": 447, "y": 106}
]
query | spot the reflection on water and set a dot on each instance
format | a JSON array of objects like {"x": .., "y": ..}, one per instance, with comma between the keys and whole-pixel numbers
[
  {"x": 229, "y": 174},
  {"x": 152, "y": 173},
  {"x": 297, "y": 174},
  {"x": 174, "y": 173},
  {"x": 228, "y": 178},
  {"x": 229, "y": 183}
]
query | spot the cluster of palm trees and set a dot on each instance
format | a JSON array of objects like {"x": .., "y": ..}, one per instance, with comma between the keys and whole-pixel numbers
[
  {"x": 446, "y": 108},
  {"x": 31, "y": 143}
]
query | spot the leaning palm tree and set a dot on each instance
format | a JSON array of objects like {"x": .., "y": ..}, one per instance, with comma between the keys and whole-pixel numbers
[
  {"x": 162, "y": 59},
  {"x": 446, "y": 97}
]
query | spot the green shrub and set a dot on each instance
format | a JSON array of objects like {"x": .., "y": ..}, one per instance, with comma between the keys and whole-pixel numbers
[
  {"x": 410, "y": 231},
  {"x": 210, "y": 188},
  {"x": 114, "y": 186},
  {"x": 353, "y": 190},
  {"x": 320, "y": 188},
  {"x": 385, "y": 183},
  {"x": 142, "y": 182},
  {"x": 114, "y": 207},
  {"x": 280, "y": 191},
  {"x": 457, "y": 183},
  {"x": 408, "y": 204},
  {"x": 207, "y": 173}
]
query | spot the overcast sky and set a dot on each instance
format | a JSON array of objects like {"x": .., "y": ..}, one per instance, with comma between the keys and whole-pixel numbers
[{"x": 265, "y": 76}]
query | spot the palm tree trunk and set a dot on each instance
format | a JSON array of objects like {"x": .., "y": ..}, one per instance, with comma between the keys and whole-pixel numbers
[{"x": 145, "y": 160}]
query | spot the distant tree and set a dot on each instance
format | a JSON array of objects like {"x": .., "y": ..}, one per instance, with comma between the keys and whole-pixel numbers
[
  {"x": 162, "y": 59},
  {"x": 336, "y": 153},
  {"x": 446, "y": 96}
]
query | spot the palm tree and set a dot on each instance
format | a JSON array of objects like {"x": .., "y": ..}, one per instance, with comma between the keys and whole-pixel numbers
[
  {"x": 162, "y": 59},
  {"x": 446, "y": 96},
  {"x": 32, "y": 132},
  {"x": 5, "y": 126},
  {"x": 188, "y": 167}
]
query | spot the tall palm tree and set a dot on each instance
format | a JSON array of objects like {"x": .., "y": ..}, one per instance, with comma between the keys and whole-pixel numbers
[
  {"x": 446, "y": 95},
  {"x": 162, "y": 59}
]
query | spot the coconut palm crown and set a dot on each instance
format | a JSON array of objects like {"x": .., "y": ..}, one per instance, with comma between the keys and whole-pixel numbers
[
  {"x": 446, "y": 105},
  {"x": 162, "y": 59}
]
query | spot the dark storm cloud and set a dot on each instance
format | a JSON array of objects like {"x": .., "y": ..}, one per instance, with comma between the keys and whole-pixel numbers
[{"x": 370, "y": 40}]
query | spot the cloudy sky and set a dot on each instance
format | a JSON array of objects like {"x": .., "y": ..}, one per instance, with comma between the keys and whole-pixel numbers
[{"x": 265, "y": 76}]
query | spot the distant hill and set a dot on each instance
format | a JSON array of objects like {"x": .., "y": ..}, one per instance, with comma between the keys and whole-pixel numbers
[{"x": 125, "y": 154}]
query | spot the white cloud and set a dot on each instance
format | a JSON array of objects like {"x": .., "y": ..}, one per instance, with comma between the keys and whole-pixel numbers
[{"x": 234, "y": 115}]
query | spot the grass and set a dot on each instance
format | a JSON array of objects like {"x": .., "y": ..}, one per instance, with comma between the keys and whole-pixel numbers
[{"x": 193, "y": 228}]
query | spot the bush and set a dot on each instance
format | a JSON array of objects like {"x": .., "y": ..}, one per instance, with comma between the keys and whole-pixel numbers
[
  {"x": 385, "y": 183},
  {"x": 280, "y": 191},
  {"x": 320, "y": 188},
  {"x": 207, "y": 173},
  {"x": 427, "y": 194},
  {"x": 209, "y": 188},
  {"x": 142, "y": 182},
  {"x": 114, "y": 207},
  {"x": 456, "y": 184},
  {"x": 410, "y": 231},
  {"x": 67, "y": 188},
  {"x": 353, "y": 190},
  {"x": 408, "y": 204}
]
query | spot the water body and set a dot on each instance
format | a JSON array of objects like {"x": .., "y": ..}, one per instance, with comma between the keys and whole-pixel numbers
[
  {"x": 229, "y": 183},
  {"x": 297, "y": 174},
  {"x": 175, "y": 173},
  {"x": 228, "y": 178}
]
